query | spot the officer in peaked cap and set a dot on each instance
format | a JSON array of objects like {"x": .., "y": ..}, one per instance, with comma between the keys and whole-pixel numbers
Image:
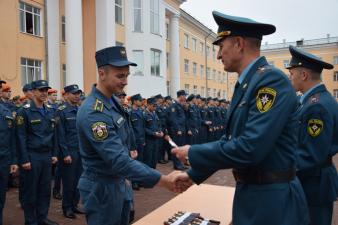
[
  {"x": 37, "y": 147},
  {"x": 318, "y": 130},
  {"x": 69, "y": 150},
  {"x": 104, "y": 139},
  {"x": 260, "y": 151}
]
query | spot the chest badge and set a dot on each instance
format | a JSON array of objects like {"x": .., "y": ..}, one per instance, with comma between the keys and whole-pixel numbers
[
  {"x": 19, "y": 120},
  {"x": 315, "y": 127},
  {"x": 100, "y": 131},
  {"x": 265, "y": 99}
]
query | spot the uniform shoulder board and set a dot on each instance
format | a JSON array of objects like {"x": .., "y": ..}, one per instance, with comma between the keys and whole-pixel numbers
[
  {"x": 27, "y": 106},
  {"x": 61, "y": 107},
  {"x": 98, "y": 106},
  {"x": 49, "y": 106},
  {"x": 264, "y": 69}
]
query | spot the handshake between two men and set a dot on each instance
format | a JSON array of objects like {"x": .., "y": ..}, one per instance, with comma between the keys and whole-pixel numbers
[{"x": 177, "y": 181}]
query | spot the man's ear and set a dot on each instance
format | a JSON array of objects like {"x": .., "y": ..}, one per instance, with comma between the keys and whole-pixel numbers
[{"x": 304, "y": 75}]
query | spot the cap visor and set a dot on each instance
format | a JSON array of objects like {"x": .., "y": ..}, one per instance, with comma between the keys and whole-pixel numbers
[
  {"x": 122, "y": 63},
  {"x": 75, "y": 91}
]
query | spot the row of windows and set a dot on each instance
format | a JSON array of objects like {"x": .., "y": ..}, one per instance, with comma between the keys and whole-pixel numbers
[
  {"x": 217, "y": 76},
  {"x": 200, "y": 48},
  {"x": 210, "y": 92},
  {"x": 155, "y": 62}
]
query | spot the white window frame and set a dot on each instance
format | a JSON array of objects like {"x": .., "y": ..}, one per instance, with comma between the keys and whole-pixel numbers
[
  {"x": 195, "y": 89},
  {"x": 335, "y": 76},
  {"x": 154, "y": 17},
  {"x": 63, "y": 29},
  {"x": 120, "y": 6},
  {"x": 186, "y": 66},
  {"x": 194, "y": 44},
  {"x": 202, "y": 47},
  {"x": 154, "y": 63},
  {"x": 64, "y": 73},
  {"x": 37, "y": 65},
  {"x": 186, "y": 88},
  {"x": 140, "y": 19},
  {"x": 186, "y": 41},
  {"x": 203, "y": 91},
  {"x": 202, "y": 71},
  {"x": 139, "y": 69},
  {"x": 335, "y": 60},
  {"x": 35, "y": 15},
  {"x": 335, "y": 93},
  {"x": 194, "y": 69}
]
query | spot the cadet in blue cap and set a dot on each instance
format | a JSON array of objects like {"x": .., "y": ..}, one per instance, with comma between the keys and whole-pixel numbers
[
  {"x": 317, "y": 135},
  {"x": 8, "y": 162},
  {"x": 176, "y": 122},
  {"x": 260, "y": 140},
  {"x": 35, "y": 124},
  {"x": 154, "y": 134},
  {"x": 193, "y": 123},
  {"x": 138, "y": 124},
  {"x": 69, "y": 150},
  {"x": 161, "y": 112},
  {"x": 103, "y": 132}
]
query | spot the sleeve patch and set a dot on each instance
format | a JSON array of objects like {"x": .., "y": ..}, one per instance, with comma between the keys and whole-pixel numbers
[
  {"x": 265, "y": 99},
  {"x": 315, "y": 127},
  {"x": 100, "y": 131}
]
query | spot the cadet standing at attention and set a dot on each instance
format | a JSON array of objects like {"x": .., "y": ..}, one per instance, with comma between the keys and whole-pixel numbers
[
  {"x": 317, "y": 135},
  {"x": 104, "y": 145},
  {"x": 260, "y": 140},
  {"x": 69, "y": 150},
  {"x": 35, "y": 127},
  {"x": 8, "y": 164}
]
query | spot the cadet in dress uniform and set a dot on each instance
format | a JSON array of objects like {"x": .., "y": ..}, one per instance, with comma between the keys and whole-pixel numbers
[
  {"x": 260, "y": 140},
  {"x": 317, "y": 135},
  {"x": 103, "y": 132},
  {"x": 35, "y": 126},
  {"x": 161, "y": 112},
  {"x": 8, "y": 162},
  {"x": 69, "y": 150},
  {"x": 192, "y": 118}
]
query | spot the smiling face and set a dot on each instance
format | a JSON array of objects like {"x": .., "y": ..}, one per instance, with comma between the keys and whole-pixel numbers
[
  {"x": 114, "y": 79},
  {"x": 40, "y": 95}
]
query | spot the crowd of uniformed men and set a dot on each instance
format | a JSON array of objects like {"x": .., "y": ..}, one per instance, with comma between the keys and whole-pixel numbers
[{"x": 43, "y": 127}]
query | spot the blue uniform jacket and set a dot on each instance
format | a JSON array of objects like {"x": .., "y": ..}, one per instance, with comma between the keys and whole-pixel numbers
[
  {"x": 66, "y": 129},
  {"x": 137, "y": 121},
  {"x": 153, "y": 124},
  {"x": 318, "y": 141},
  {"x": 7, "y": 132},
  {"x": 35, "y": 131},
  {"x": 176, "y": 120},
  {"x": 103, "y": 130},
  {"x": 260, "y": 134}
]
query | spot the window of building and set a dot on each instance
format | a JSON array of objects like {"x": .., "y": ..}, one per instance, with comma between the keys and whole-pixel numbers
[
  {"x": 167, "y": 60},
  {"x": 335, "y": 60},
  {"x": 155, "y": 60},
  {"x": 335, "y": 93},
  {"x": 154, "y": 17},
  {"x": 31, "y": 70},
  {"x": 286, "y": 63},
  {"x": 208, "y": 73},
  {"x": 64, "y": 74},
  {"x": 194, "y": 69},
  {"x": 213, "y": 53},
  {"x": 186, "y": 66},
  {"x": 203, "y": 91},
  {"x": 202, "y": 71},
  {"x": 214, "y": 74},
  {"x": 63, "y": 29},
  {"x": 167, "y": 30},
  {"x": 219, "y": 78},
  {"x": 138, "y": 58},
  {"x": 186, "y": 88},
  {"x": 202, "y": 47},
  {"x": 186, "y": 41},
  {"x": 194, "y": 47},
  {"x": 271, "y": 63},
  {"x": 117, "y": 43},
  {"x": 30, "y": 19},
  {"x": 168, "y": 87},
  {"x": 208, "y": 92},
  {"x": 138, "y": 15},
  {"x": 195, "y": 90},
  {"x": 208, "y": 51},
  {"x": 119, "y": 11},
  {"x": 224, "y": 94},
  {"x": 335, "y": 76},
  {"x": 215, "y": 93}
]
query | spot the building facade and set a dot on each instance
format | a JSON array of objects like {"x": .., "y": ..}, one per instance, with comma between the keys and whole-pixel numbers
[
  {"x": 325, "y": 48},
  {"x": 57, "y": 40}
]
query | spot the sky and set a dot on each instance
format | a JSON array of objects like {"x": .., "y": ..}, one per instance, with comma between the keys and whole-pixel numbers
[{"x": 294, "y": 19}]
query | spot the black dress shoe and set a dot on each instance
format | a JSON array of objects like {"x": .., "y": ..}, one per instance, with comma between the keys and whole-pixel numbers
[
  {"x": 56, "y": 194},
  {"x": 162, "y": 161},
  {"x": 78, "y": 210},
  {"x": 69, "y": 214},
  {"x": 48, "y": 222},
  {"x": 131, "y": 216},
  {"x": 135, "y": 186}
]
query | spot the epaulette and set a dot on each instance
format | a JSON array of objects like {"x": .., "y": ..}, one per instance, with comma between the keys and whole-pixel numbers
[
  {"x": 27, "y": 106},
  {"x": 49, "y": 106},
  {"x": 62, "y": 107},
  {"x": 98, "y": 106},
  {"x": 264, "y": 69},
  {"x": 314, "y": 98}
]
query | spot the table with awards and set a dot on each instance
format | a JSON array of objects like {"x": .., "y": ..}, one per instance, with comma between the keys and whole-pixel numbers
[{"x": 204, "y": 204}]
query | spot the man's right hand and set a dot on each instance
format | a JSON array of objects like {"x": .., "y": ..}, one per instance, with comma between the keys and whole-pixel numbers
[
  {"x": 67, "y": 160},
  {"x": 27, "y": 166}
]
